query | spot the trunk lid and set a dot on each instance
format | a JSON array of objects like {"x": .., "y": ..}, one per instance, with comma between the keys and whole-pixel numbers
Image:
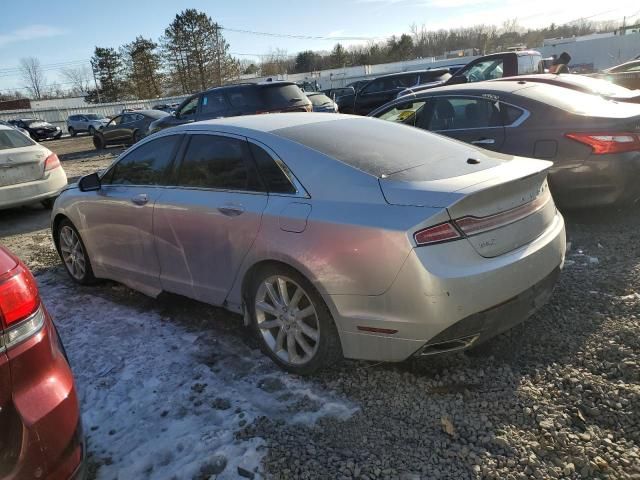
[
  {"x": 497, "y": 209},
  {"x": 20, "y": 165}
]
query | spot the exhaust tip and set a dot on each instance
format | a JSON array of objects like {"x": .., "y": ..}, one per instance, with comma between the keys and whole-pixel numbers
[{"x": 448, "y": 346}]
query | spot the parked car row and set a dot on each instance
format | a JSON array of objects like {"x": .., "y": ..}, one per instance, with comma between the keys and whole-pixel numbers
[{"x": 593, "y": 142}]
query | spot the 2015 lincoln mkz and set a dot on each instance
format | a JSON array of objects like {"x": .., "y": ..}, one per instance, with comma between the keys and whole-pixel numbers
[{"x": 334, "y": 235}]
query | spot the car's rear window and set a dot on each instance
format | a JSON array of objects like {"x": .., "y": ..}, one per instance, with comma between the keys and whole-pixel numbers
[
  {"x": 13, "y": 139},
  {"x": 383, "y": 148},
  {"x": 282, "y": 96},
  {"x": 578, "y": 103}
]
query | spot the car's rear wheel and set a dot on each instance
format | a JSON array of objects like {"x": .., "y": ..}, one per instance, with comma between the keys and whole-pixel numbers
[
  {"x": 292, "y": 322},
  {"x": 92, "y": 131},
  {"x": 98, "y": 142},
  {"x": 72, "y": 131},
  {"x": 136, "y": 136},
  {"x": 74, "y": 254}
]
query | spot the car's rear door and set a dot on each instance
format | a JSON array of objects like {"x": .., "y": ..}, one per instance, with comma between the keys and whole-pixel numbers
[
  {"x": 118, "y": 218},
  {"x": 471, "y": 119},
  {"x": 205, "y": 226}
]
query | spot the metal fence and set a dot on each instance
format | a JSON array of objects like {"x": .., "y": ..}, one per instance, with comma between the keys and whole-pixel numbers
[{"x": 58, "y": 116}]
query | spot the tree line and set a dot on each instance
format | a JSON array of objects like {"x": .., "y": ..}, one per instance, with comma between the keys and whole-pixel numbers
[
  {"x": 192, "y": 55},
  {"x": 420, "y": 42}
]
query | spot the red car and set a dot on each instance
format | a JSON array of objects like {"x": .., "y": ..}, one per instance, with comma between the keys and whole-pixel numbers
[{"x": 40, "y": 425}]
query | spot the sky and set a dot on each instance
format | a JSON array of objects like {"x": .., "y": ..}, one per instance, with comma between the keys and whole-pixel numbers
[{"x": 67, "y": 34}]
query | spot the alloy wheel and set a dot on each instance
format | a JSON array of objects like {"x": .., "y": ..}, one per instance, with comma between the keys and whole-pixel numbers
[
  {"x": 287, "y": 320},
  {"x": 72, "y": 253}
]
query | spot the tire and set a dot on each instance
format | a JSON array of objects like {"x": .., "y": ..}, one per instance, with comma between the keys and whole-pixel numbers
[
  {"x": 73, "y": 253},
  {"x": 72, "y": 131},
  {"x": 299, "y": 344},
  {"x": 98, "y": 142},
  {"x": 92, "y": 131},
  {"x": 136, "y": 137},
  {"x": 48, "y": 203}
]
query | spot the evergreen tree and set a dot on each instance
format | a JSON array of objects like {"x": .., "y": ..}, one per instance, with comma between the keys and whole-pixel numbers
[
  {"x": 108, "y": 68},
  {"x": 142, "y": 66}
]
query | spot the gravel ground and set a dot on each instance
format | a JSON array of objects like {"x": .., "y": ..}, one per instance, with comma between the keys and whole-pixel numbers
[{"x": 556, "y": 397}]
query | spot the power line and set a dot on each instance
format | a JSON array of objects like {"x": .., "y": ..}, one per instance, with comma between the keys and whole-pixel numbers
[{"x": 298, "y": 37}]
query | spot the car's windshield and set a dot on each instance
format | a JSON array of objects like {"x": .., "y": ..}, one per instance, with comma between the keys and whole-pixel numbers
[{"x": 596, "y": 85}]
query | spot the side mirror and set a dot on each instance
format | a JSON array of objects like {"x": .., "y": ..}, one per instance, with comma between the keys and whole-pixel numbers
[
  {"x": 457, "y": 80},
  {"x": 89, "y": 183}
]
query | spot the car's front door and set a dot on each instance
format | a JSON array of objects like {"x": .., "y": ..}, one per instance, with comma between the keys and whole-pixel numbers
[
  {"x": 475, "y": 120},
  {"x": 213, "y": 104},
  {"x": 110, "y": 131},
  {"x": 205, "y": 226},
  {"x": 118, "y": 218}
]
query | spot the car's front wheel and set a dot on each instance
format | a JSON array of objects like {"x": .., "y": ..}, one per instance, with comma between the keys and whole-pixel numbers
[
  {"x": 72, "y": 131},
  {"x": 293, "y": 324},
  {"x": 74, "y": 254},
  {"x": 92, "y": 131}
]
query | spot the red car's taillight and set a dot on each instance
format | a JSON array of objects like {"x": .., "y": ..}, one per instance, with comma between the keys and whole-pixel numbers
[
  {"x": 51, "y": 162},
  {"x": 20, "y": 313},
  {"x": 607, "y": 142},
  {"x": 444, "y": 232}
]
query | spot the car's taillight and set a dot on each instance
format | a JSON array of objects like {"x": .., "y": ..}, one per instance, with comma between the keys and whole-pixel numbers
[
  {"x": 444, "y": 232},
  {"x": 607, "y": 142},
  {"x": 20, "y": 312},
  {"x": 51, "y": 162}
]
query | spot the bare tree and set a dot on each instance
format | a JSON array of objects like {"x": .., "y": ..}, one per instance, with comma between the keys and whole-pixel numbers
[
  {"x": 33, "y": 76},
  {"x": 79, "y": 78}
]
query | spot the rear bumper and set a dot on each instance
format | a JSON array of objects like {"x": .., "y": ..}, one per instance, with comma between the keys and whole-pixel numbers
[
  {"x": 445, "y": 289},
  {"x": 602, "y": 180},
  {"x": 45, "y": 403},
  {"x": 31, "y": 192}
]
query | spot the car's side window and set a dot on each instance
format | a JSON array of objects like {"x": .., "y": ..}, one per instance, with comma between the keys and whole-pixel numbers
[
  {"x": 455, "y": 113},
  {"x": 486, "y": 70},
  {"x": 213, "y": 103},
  {"x": 115, "y": 121},
  {"x": 146, "y": 165},
  {"x": 407, "y": 113},
  {"x": 218, "y": 162},
  {"x": 375, "y": 86},
  {"x": 189, "y": 109},
  {"x": 245, "y": 98},
  {"x": 275, "y": 179},
  {"x": 511, "y": 114}
]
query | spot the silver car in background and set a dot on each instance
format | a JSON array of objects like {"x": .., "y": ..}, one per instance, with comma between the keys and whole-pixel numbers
[
  {"x": 334, "y": 235},
  {"x": 29, "y": 172},
  {"x": 86, "y": 122}
]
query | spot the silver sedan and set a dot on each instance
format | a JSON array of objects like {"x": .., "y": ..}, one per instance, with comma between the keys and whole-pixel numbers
[{"x": 335, "y": 236}]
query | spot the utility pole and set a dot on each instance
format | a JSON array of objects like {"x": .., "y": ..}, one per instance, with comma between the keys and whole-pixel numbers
[{"x": 95, "y": 81}]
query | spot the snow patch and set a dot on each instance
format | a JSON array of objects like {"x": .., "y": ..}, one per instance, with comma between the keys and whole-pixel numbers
[{"x": 147, "y": 388}]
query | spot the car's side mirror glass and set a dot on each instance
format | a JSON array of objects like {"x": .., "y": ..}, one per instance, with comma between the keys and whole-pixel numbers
[{"x": 89, "y": 183}]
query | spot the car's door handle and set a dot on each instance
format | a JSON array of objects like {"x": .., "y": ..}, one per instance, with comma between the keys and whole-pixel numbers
[
  {"x": 484, "y": 141},
  {"x": 231, "y": 209},
  {"x": 140, "y": 199}
]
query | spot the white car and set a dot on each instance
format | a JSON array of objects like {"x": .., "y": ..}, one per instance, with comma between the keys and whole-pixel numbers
[{"x": 29, "y": 172}]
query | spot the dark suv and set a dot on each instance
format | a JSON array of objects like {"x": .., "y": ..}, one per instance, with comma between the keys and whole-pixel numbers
[
  {"x": 381, "y": 90},
  {"x": 235, "y": 100}
]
